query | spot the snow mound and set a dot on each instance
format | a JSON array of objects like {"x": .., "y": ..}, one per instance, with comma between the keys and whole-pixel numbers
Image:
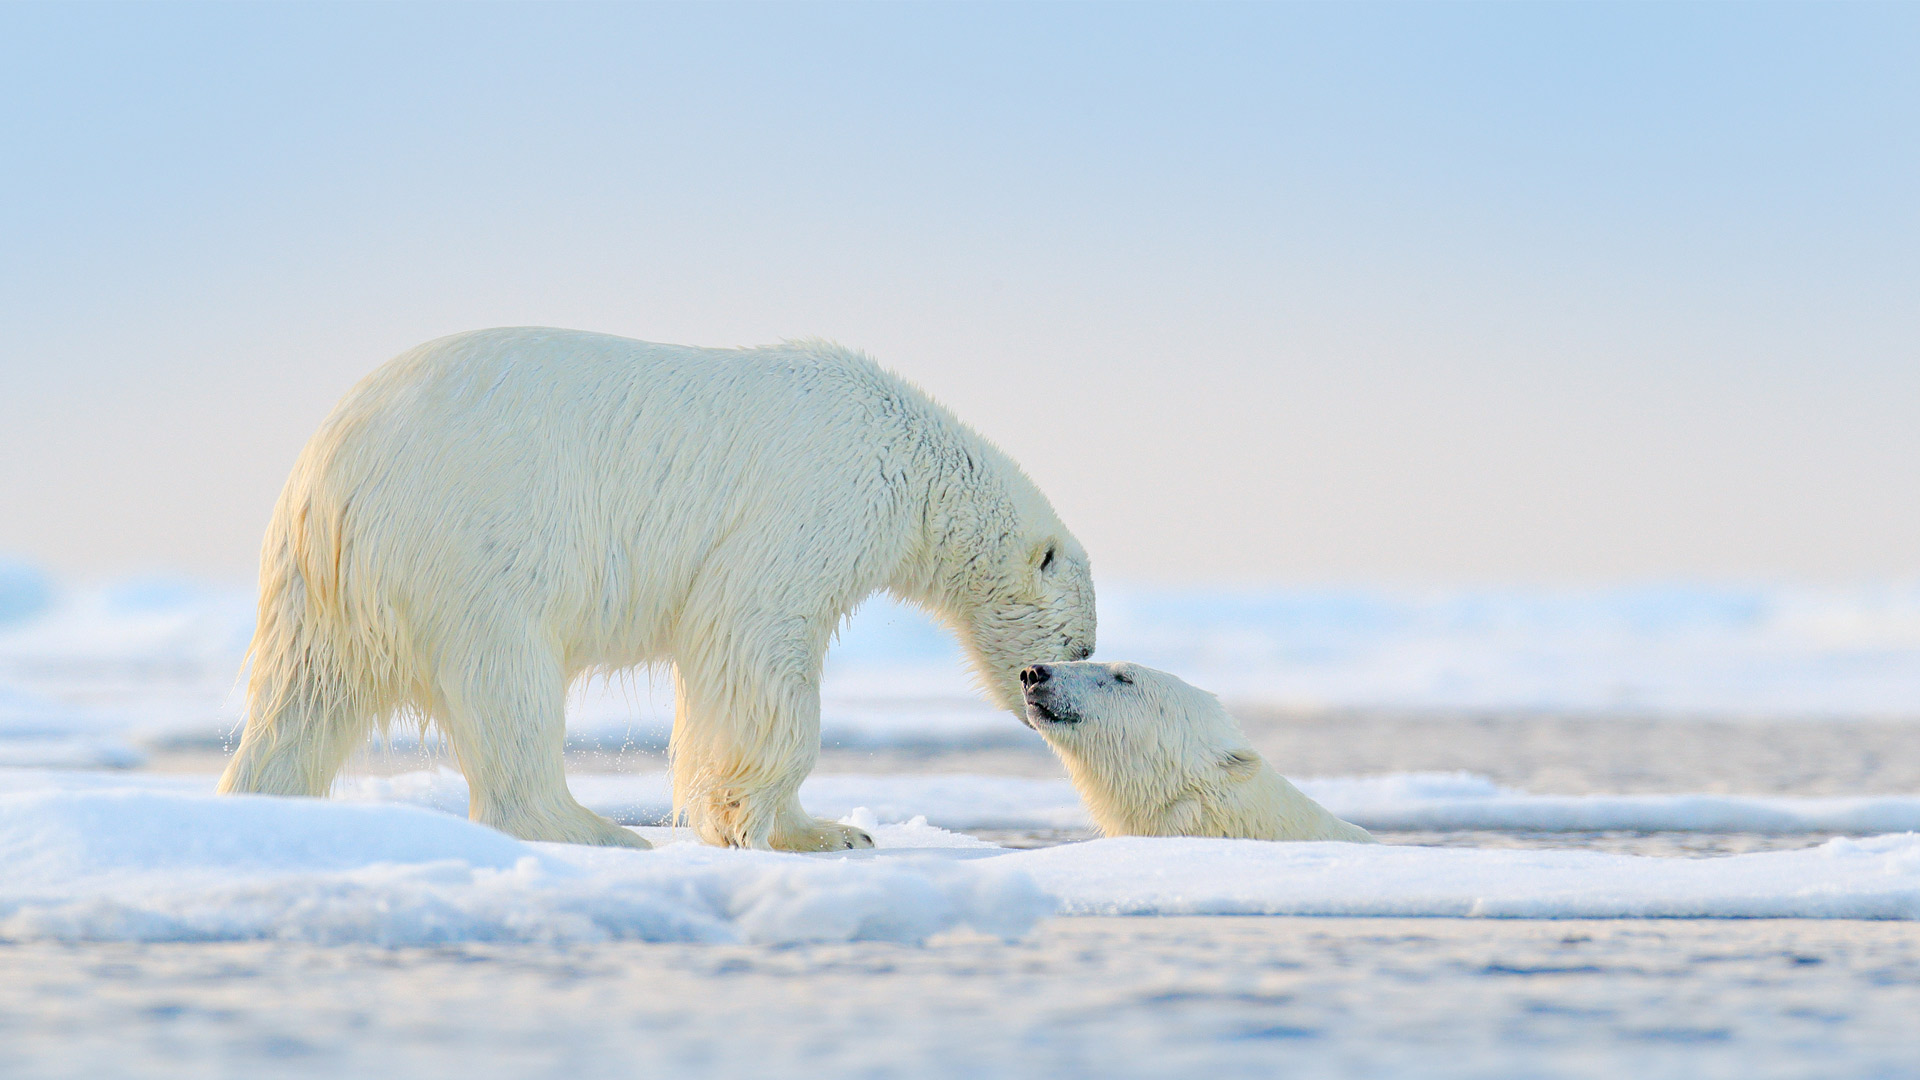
[
  {"x": 52, "y": 839},
  {"x": 914, "y": 833},
  {"x": 142, "y": 865},
  {"x": 1842, "y": 879}
]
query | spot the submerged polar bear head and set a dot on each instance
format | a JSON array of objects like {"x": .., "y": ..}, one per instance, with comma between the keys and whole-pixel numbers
[{"x": 1153, "y": 756}]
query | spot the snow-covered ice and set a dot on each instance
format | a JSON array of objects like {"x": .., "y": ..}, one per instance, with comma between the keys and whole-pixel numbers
[
  {"x": 1404, "y": 802},
  {"x": 960, "y": 801},
  {"x": 948, "y": 800},
  {"x": 96, "y": 856},
  {"x": 111, "y": 865},
  {"x": 1877, "y": 878}
]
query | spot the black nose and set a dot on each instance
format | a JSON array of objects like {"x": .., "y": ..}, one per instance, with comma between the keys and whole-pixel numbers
[{"x": 1033, "y": 676}]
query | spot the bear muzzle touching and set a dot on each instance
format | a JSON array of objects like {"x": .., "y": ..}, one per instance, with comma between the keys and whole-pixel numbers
[
  {"x": 1152, "y": 756},
  {"x": 1042, "y": 707}
]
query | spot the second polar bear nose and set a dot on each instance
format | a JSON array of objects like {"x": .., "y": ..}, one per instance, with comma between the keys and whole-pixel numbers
[{"x": 1033, "y": 676}]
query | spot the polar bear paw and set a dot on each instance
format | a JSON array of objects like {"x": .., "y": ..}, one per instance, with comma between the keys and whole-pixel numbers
[
  {"x": 580, "y": 826},
  {"x": 814, "y": 834},
  {"x": 621, "y": 836},
  {"x": 600, "y": 832}
]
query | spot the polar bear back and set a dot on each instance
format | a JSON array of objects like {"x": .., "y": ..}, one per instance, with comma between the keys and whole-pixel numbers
[{"x": 588, "y": 479}]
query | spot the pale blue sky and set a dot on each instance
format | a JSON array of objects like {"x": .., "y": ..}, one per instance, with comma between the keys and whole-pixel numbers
[{"x": 1284, "y": 293}]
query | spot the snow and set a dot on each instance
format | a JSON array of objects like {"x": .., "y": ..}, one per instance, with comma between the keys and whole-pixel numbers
[
  {"x": 1406, "y": 801},
  {"x": 949, "y": 800},
  {"x": 1877, "y": 878},
  {"x": 963, "y": 802},
  {"x": 113, "y": 865},
  {"x": 53, "y": 839},
  {"x": 94, "y": 856}
]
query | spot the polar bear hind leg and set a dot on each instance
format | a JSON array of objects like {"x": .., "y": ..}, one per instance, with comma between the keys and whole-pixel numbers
[
  {"x": 306, "y": 709},
  {"x": 502, "y": 706},
  {"x": 304, "y": 722}
]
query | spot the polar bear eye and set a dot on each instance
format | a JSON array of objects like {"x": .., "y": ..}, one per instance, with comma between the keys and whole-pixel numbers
[
  {"x": 1123, "y": 678},
  {"x": 1047, "y": 559}
]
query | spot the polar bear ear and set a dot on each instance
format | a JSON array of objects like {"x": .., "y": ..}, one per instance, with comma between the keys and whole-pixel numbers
[{"x": 1241, "y": 764}]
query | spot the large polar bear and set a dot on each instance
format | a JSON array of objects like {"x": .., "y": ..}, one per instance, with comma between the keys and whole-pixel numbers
[
  {"x": 1153, "y": 756},
  {"x": 494, "y": 514}
]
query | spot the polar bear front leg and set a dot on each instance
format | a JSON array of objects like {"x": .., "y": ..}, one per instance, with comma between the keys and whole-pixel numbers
[{"x": 739, "y": 753}]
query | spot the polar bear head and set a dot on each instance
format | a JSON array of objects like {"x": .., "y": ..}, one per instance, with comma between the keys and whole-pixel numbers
[
  {"x": 1134, "y": 725},
  {"x": 1014, "y": 584},
  {"x": 1153, "y": 756},
  {"x": 1039, "y": 609}
]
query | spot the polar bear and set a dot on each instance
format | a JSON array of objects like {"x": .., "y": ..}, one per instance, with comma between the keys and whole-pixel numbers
[
  {"x": 1153, "y": 756},
  {"x": 490, "y": 516}
]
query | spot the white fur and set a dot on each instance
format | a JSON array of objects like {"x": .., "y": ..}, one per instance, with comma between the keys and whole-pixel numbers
[
  {"x": 492, "y": 515},
  {"x": 1152, "y": 756}
]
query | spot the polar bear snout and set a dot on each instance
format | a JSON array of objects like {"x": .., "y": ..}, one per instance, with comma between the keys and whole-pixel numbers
[{"x": 1043, "y": 706}]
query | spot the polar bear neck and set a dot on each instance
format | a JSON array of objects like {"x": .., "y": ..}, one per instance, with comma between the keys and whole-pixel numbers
[
  {"x": 970, "y": 565},
  {"x": 1132, "y": 798}
]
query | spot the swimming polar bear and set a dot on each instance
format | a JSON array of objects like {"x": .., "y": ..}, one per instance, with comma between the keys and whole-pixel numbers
[
  {"x": 492, "y": 515},
  {"x": 1152, "y": 756}
]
